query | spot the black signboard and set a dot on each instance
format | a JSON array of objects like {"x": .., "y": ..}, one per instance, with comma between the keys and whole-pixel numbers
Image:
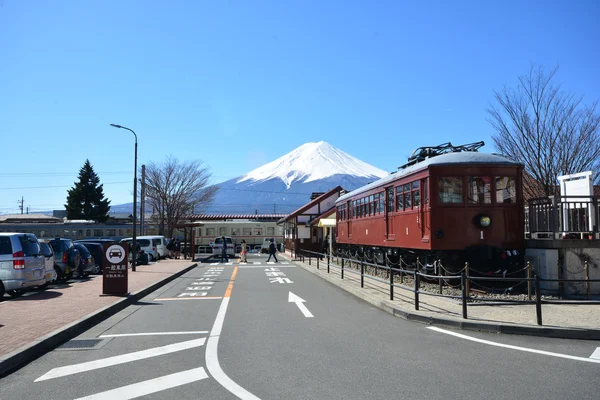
[{"x": 114, "y": 265}]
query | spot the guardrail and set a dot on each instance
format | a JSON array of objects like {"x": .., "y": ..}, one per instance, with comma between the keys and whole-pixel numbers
[{"x": 323, "y": 260}]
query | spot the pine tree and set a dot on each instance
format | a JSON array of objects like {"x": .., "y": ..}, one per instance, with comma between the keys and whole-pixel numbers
[{"x": 86, "y": 199}]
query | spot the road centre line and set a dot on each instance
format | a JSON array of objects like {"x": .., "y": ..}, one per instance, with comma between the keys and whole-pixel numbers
[
  {"x": 120, "y": 359},
  {"x": 150, "y": 386},
  {"x": 154, "y": 334},
  {"x": 508, "y": 346},
  {"x": 212, "y": 357}
]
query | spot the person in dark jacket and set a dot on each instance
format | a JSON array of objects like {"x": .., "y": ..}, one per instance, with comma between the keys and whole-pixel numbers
[
  {"x": 272, "y": 251},
  {"x": 224, "y": 250}
]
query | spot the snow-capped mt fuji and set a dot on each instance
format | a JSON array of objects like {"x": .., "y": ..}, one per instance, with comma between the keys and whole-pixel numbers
[
  {"x": 311, "y": 162},
  {"x": 287, "y": 183}
]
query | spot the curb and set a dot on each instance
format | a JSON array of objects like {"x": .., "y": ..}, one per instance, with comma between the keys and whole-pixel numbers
[
  {"x": 17, "y": 359},
  {"x": 490, "y": 327}
]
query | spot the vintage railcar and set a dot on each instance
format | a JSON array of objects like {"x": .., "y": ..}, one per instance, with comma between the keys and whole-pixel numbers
[{"x": 448, "y": 203}]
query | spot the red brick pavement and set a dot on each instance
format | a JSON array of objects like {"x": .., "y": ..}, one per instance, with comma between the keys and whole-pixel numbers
[{"x": 25, "y": 319}]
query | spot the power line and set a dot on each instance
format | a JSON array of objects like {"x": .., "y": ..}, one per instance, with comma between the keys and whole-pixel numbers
[
  {"x": 41, "y": 174},
  {"x": 58, "y": 186}
]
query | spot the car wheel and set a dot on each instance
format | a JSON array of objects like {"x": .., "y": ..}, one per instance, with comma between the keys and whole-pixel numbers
[{"x": 15, "y": 293}]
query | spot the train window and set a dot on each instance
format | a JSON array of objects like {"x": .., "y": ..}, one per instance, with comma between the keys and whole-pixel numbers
[
  {"x": 111, "y": 232},
  {"x": 270, "y": 231},
  {"x": 236, "y": 231},
  {"x": 376, "y": 203},
  {"x": 222, "y": 231},
  {"x": 371, "y": 206},
  {"x": 120, "y": 232},
  {"x": 480, "y": 190},
  {"x": 381, "y": 202},
  {"x": 258, "y": 231},
  {"x": 210, "y": 231},
  {"x": 98, "y": 232},
  {"x": 399, "y": 199},
  {"x": 88, "y": 232},
  {"x": 129, "y": 232},
  {"x": 416, "y": 198},
  {"x": 450, "y": 189},
  {"x": 390, "y": 197},
  {"x": 407, "y": 199},
  {"x": 506, "y": 190}
]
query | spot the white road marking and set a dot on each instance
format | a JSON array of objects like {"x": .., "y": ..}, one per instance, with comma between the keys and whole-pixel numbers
[
  {"x": 154, "y": 333},
  {"x": 508, "y": 346},
  {"x": 262, "y": 266},
  {"x": 596, "y": 354},
  {"x": 292, "y": 298},
  {"x": 150, "y": 386},
  {"x": 214, "y": 263},
  {"x": 212, "y": 358},
  {"x": 121, "y": 359}
]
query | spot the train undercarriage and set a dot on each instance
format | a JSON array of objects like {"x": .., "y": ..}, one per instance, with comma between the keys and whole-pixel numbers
[{"x": 483, "y": 261}]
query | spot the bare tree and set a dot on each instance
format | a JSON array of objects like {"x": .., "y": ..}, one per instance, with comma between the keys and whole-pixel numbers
[
  {"x": 548, "y": 130},
  {"x": 175, "y": 189}
]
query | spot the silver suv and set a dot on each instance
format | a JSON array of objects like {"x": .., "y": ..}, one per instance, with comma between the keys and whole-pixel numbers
[{"x": 21, "y": 264}]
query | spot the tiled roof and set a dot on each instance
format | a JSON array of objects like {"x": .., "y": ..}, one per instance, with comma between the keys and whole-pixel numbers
[
  {"x": 214, "y": 217},
  {"x": 28, "y": 218},
  {"x": 311, "y": 204}
]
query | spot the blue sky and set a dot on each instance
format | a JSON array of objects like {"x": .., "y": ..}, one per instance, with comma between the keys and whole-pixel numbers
[{"x": 238, "y": 84}]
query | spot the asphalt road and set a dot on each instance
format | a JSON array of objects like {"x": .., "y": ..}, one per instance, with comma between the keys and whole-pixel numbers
[{"x": 243, "y": 338}]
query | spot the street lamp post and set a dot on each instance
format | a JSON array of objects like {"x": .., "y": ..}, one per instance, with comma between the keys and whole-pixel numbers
[{"x": 134, "y": 255}]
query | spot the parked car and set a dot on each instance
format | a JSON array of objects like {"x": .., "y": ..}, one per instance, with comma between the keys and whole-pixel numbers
[
  {"x": 21, "y": 265},
  {"x": 88, "y": 264},
  {"x": 50, "y": 267},
  {"x": 97, "y": 251},
  {"x": 67, "y": 258},
  {"x": 219, "y": 245}
]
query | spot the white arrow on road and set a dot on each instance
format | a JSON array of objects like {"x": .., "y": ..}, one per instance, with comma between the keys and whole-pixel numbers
[
  {"x": 596, "y": 354},
  {"x": 295, "y": 299}
]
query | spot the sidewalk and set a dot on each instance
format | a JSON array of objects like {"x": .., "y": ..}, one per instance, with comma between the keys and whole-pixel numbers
[
  {"x": 573, "y": 321},
  {"x": 41, "y": 321}
]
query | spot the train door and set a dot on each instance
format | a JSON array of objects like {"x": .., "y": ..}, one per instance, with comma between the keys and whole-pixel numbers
[{"x": 389, "y": 208}]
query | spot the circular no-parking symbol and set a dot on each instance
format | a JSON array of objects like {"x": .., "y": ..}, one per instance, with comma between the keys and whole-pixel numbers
[{"x": 115, "y": 254}]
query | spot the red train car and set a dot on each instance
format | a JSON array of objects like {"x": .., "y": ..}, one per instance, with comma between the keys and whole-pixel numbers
[{"x": 448, "y": 203}]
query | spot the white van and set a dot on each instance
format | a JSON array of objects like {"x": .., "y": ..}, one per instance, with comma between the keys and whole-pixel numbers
[
  {"x": 159, "y": 242},
  {"x": 145, "y": 244},
  {"x": 219, "y": 245}
]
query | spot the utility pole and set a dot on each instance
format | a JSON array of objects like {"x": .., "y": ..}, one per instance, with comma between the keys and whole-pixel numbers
[
  {"x": 21, "y": 204},
  {"x": 143, "y": 202}
]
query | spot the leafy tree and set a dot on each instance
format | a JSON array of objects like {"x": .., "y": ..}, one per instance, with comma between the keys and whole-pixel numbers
[
  {"x": 547, "y": 129},
  {"x": 86, "y": 199},
  {"x": 174, "y": 189}
]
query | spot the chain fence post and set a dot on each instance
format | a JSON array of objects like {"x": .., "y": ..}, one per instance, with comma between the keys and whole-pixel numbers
[
  {"x": 391, "y": 284},
  {"x": 538, "y": 300},
  {"x": 327, "y": 263},
  {"x": 342, "y": 268},
  {"x": 362, "y": 274},
  {"x": 318, "y": 261},
  {"x": 587, "y": 277},
  {"x": 416, "y": 280},
  {"x": 529, "y": 279},
  {"x": 439, "y": 268},
  {"x": 463, "y": 285},
  {"x": 468, "y": 284}
]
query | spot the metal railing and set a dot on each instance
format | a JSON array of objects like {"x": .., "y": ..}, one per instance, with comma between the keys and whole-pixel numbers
[
  {"x": 534, "y": 281},
  {"x": 562, "y": 214}
]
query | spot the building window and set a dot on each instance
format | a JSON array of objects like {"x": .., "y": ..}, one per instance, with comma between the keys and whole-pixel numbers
[
  {"x": 450, "y": 190},
  {"x": 506, "y": 190},
  {"x": 480, "y": 190}
]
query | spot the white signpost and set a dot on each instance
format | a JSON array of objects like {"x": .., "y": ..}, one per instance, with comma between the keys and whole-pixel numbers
[{"x": 580, "y": 184}]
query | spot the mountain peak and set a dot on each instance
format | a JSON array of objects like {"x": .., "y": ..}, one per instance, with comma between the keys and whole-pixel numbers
[{"x": 310, "y": 162}]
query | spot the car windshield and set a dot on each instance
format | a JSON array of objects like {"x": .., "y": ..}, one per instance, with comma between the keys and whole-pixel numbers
[{"x": 220, "y": 241}]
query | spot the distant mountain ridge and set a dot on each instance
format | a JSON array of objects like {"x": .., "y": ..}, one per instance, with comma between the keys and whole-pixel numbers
[{"x": 286, "y": 184}]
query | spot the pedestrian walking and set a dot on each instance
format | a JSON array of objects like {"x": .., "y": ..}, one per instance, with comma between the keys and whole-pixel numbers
[
  {"x": 177, "y": 248},
  {"x": 224, "y": 250},
  {"x": 244, "y": 253},
  {"x": 272, "y": 251},
  {"x": 171, "y": 247}
]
